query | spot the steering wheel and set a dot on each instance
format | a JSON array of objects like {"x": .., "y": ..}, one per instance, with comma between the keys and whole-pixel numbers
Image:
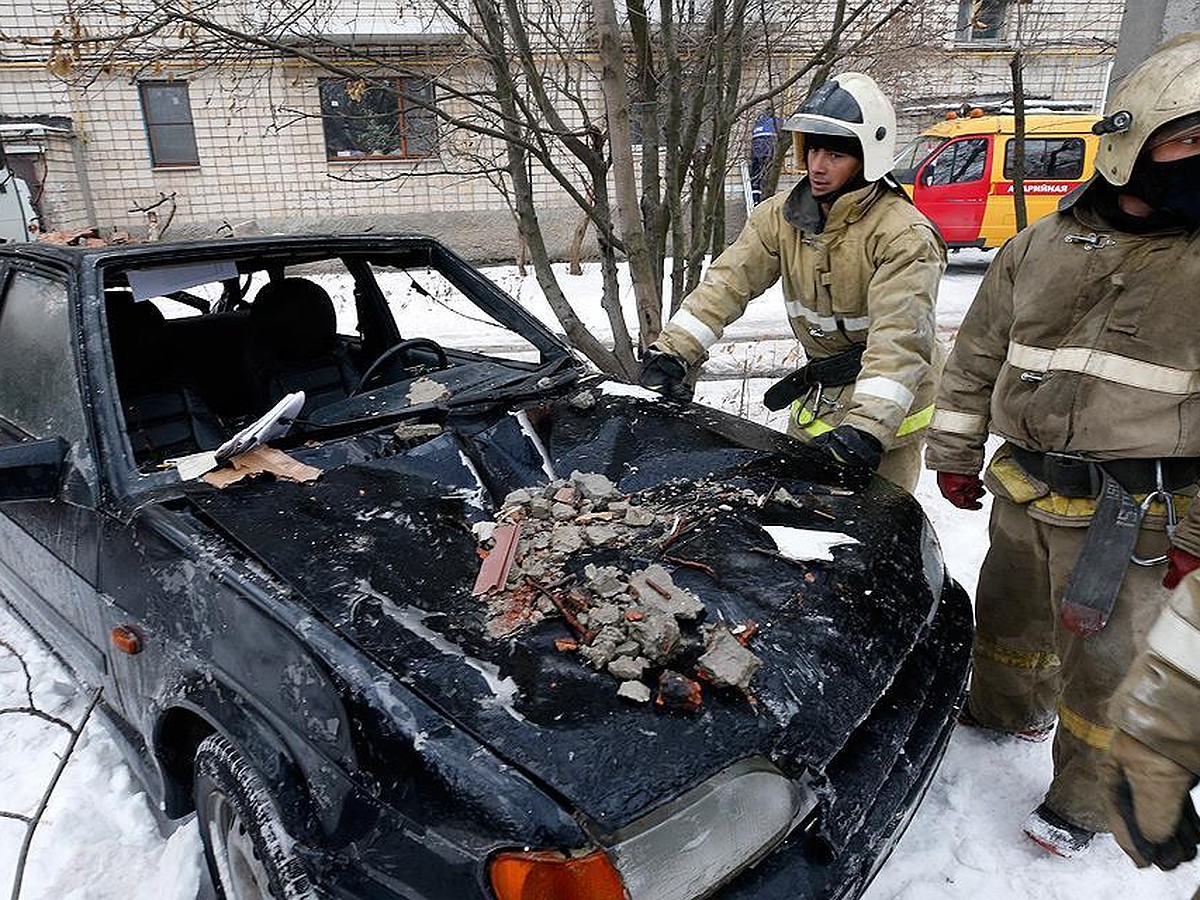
[{"x": 395, "y": 350}]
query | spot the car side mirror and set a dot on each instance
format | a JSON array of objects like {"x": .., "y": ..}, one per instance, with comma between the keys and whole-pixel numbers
[
  {"x": 32, "y": 470},
  {"x": 927, "y": 176}
]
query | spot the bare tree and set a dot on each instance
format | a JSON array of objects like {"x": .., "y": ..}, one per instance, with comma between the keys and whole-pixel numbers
[
  {"x": 30, "y": 708},
  {"x": 539, "y": 92}
]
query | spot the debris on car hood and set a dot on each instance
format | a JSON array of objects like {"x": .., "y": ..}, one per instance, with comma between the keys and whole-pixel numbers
[
  {"x": 384, "y": 547},
  {"x": 632, "y": 623}
]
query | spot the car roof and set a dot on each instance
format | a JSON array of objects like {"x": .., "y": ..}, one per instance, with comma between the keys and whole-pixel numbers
[
  {"x": 1071, "y": 123},
  {"x": 316, "y": 244}
]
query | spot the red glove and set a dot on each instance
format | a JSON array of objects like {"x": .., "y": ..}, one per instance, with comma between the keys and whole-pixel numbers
[
  {"x": 964, "y": 491},
  {"x": 1179, "y": 563}
]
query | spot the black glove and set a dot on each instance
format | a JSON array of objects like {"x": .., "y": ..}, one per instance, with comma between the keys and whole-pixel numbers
[
  {"x": 1149, "y": 807},
  {"x": 665, "y": 374},
  {"x": 851, "y": 448}
]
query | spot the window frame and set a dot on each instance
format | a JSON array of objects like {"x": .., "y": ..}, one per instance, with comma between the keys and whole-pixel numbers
[
  {"x": 406, "y": 131},
  {"x": 154, "y": 127},
  {"x": 1066, "y": 140},
  {"x": 968, "y": 33}
]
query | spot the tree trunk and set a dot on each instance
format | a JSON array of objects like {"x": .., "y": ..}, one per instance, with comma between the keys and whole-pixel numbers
[
  {"x": 620, "y": 141},
  {"x": 1018, "y": 156}
]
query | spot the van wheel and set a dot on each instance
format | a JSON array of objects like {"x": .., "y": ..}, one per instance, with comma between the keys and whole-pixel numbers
[{"x": 245, "y": 844}]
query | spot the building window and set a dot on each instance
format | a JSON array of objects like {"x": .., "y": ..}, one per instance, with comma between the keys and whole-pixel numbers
[
  {"x": 1048, "y": 158},
  {"x": 981, "y": 20},
  {"x": 389, "y": 118},
  {"x": 168, "y": 115}
]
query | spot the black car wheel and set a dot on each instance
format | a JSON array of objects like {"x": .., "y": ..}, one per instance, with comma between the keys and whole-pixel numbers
[{"x": 245, "y": 843}]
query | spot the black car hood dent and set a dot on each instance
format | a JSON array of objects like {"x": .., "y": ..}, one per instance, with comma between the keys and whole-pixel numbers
[{"x": 381, "y": 548}]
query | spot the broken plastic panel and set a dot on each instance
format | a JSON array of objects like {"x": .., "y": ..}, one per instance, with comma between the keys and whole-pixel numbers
[{"x": 689, "y": 847}]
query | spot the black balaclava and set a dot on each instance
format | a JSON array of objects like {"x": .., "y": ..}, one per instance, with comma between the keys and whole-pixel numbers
[
  {"x": 1170, "y": 187},
  {"x": 837, "y": 143},
  {"x": 1173, "y": 187}
]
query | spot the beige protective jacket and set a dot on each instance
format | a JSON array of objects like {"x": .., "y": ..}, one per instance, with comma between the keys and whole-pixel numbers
[
  {"x": 1082, "y": 338},
  {"x": 870, "y": 276},
  {"x": 1159, "y": 700}
]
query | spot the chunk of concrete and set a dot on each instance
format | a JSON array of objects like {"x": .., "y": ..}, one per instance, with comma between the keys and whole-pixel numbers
[
  {"x": 639, "y": 517},
  {"x": 566, "y": 539},
  {"x": 657, "y": 634},
  {"x": 726, "y": 663},
  {"x": 635, "y": 691},
  {"x": 657, "y": 591},
  {"x": 594, "y": 486},
  {"x": 599, "y": 535},
  {"x": 604, "y": 581},
  {"x": 603, "y": 647},
  {"x": 627, "y": 668}
]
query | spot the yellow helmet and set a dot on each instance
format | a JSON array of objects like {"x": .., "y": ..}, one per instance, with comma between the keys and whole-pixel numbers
[
  {"x": 1162, "y": 89},
  {"x": 850, "y": 105}
]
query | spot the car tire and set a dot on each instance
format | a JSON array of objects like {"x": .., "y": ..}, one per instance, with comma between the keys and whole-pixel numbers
[{"x": 245, "y": 844}]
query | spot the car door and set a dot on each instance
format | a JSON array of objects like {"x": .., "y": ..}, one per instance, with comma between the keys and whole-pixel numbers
[
  {"x": 951, "y": 188},
  {"x": 48, "y": 547}
]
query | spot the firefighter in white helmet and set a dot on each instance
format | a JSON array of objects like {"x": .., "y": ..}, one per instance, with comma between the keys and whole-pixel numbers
[
  {"x": 1080, "y": 350},
  {"x": 860, "y": 268}
]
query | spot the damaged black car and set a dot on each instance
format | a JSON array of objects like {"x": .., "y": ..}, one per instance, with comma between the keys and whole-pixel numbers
[{"x": 402, "y": 601}]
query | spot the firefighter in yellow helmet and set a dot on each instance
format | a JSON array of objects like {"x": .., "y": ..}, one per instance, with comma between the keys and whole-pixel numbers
[
  {"x": 860, "y": 269},
  {"x": 1080, "y": 351}
]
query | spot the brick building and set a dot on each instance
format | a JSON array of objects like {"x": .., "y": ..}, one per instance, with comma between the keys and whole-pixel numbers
[{"x": 268, "y": 144}]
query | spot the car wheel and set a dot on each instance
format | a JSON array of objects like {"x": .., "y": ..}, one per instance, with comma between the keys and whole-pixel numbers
[{"x": 245, "y": 844}]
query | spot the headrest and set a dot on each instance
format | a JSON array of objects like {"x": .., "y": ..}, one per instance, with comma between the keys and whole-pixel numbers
[
  {"x": 294, "y": 319},
  {"x": 136, "y": 335}
]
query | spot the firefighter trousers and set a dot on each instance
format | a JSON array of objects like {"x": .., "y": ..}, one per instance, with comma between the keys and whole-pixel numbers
[{"x": 1028, "y": 669}]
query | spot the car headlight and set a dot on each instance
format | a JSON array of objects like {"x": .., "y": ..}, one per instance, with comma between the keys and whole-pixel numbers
[{"x": 693, "y": 845}]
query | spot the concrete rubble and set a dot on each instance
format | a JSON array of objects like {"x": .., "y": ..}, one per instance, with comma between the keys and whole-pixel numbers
[{"x": 638, "y": 626}]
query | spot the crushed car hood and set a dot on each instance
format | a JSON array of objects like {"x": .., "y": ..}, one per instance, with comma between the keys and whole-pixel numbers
[{"x": 381, "y": 547}]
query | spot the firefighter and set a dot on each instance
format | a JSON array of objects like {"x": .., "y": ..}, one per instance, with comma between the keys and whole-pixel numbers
[
  {"x": 1154, "y": 759},
  {"x": 860, "y": 269},
  {"x": 1080, "y": 351}
]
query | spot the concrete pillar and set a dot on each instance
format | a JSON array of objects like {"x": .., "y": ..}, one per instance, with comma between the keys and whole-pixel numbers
[{"x": 1146, "y": 24}]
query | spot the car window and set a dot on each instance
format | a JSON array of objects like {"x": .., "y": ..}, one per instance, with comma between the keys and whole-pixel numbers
[
  {"x": 426, "y": 304},
  {"x": 1050, "y": 158},
  {"x": 910, "y": 158},
  {"x": 959, "y": 162},
  {"x": 39, "y": 389}
]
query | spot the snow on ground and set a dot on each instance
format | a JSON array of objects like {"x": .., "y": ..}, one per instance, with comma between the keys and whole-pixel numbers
[{"x": 99, "y": 839}]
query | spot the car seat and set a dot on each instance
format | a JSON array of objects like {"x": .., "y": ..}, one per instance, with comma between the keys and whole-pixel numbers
[
  {"x": 164, "y": 416},
  {"x": 295, "y": 335}
]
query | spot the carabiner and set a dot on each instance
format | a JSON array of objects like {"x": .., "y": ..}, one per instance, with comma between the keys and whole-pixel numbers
[
  {"x": 814, "y": 393},
  {"x": 1168, "y": 500}
]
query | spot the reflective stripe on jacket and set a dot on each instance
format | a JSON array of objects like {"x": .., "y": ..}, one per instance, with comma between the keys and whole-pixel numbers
[
  {"x": 871, "y": 275},
  {"x": 1081, "y": 339}
]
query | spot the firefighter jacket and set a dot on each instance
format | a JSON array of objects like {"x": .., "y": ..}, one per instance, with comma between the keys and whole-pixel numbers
[
  {"x": 870, "y": 275},
  {"x": 1081, "y": 339},
  {"x": 1159, "y": 701}
]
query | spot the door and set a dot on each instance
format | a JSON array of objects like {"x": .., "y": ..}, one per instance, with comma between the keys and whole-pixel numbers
[
  {"x": 48, "y": 548},
  {"x": 951, "y": 188}
]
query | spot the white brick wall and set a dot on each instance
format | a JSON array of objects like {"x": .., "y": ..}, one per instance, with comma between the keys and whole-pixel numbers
[{"x": 262, "y": 149}]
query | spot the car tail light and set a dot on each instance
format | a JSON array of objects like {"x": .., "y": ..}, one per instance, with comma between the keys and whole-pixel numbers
[{"x": 548, "y": 875}]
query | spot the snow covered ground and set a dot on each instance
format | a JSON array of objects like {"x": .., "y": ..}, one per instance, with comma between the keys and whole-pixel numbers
[{"x": 99, "y": 839}]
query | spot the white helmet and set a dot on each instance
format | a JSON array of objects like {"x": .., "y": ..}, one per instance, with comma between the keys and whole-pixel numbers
[
  {"x": 1162, "y": 89},
  {"x": 850, "y": 105}
]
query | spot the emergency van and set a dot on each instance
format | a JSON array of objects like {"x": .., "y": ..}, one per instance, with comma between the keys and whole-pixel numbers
[{"x": 959, "y": 172}]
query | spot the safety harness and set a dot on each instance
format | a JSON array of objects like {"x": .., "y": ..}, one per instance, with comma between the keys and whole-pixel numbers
[{"x": 1108, "y": 546}]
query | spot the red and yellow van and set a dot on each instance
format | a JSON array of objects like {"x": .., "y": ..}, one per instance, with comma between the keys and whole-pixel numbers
[{"x": 959, "y": 172}]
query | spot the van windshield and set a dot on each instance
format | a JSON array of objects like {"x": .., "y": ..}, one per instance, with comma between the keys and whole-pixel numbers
[{"x": 909, "y": 159}]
